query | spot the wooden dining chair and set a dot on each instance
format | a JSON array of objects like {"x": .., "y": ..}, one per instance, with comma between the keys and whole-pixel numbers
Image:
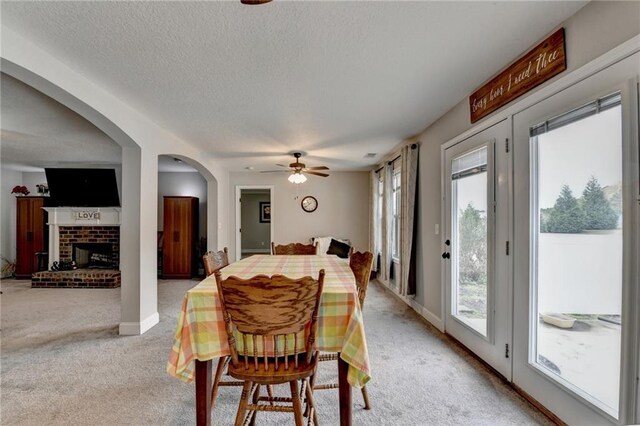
[
  {"x": 266, "y": 319},
  {"x": 214, "y": 260},
  {"x": 294, "y": 248},
  {"x": 361, "y": 264}
]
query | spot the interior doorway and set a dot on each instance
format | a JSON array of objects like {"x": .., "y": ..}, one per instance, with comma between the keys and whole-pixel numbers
[{"x": 254, "y": 220}]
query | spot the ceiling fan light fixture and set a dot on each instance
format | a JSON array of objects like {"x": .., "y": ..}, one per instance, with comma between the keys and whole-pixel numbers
[{"x": 297, "y": 178}]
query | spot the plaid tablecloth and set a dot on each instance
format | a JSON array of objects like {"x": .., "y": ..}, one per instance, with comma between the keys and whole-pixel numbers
[{"x": 201, "y": 333}]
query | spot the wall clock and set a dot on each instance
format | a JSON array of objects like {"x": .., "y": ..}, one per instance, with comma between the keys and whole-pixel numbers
[{"x": 309, "y": 204}]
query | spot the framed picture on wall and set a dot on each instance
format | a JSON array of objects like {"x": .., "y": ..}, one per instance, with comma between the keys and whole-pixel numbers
[{"x": 265, "y": 211}]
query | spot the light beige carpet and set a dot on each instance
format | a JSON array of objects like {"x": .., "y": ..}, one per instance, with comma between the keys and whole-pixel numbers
[{"x": 63, "y": 363}]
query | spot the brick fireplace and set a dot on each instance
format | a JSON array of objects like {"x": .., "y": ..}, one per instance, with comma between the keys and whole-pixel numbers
[
  {"x": 75, "y": 238},
  {"x": 90, "y": 237}
]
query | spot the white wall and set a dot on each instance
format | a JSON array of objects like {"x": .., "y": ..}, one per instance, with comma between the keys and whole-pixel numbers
[
  {"x": 343, "y": 206},
  {"x": 255, "y": 235},
  {"x": 10, "y": 178},
  {"x": 183, "y": 184},
  {"x": 591, "y": 32},
  {"x": 31, "y": 179},
  {"x": 142, "y": 141}
]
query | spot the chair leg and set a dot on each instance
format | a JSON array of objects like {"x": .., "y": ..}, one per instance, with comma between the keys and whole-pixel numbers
[
  {"x": 270, "y": 393},
  {"x": 297, "y": 405},
  {"x": 222, "y": 362},
  {"x": 365, "y": 396},
  {"x": 242, "y": 406},
  {"x": 311, "y": 382},
  {"x": 256, "y": 397},
  {"x": 311, "y": 405}
]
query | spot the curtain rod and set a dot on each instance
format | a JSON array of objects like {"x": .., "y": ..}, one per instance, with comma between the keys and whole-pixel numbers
[
  {"x": 391, "y": 161},
  {"x": 413, "y": 146}
]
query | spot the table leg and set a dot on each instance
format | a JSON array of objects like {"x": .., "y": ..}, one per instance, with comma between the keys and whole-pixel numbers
[
  {"x": 203, "y": 392},
  {"x": 345, "y": 393}
]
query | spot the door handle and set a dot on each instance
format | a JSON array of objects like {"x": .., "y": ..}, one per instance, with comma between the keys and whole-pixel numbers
[{"x": 446, "y": 255}]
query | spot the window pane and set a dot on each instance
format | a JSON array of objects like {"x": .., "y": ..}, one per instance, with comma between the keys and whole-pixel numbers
[
  {"x": 396, "y": 214},
  {"x": 469, "y": 245},
  {"x": 577, "y": 246}
]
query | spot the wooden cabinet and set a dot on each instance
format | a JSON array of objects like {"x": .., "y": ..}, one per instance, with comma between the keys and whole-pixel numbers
[
  {"x": 180, "y": 229},
  {"x": 31, "y": 235}
]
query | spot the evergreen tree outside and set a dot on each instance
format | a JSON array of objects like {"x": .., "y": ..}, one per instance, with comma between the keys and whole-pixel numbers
[
  {"x": 566, "y": 216},
  {"x": 472, "y": 263},
  {"x": 598, "y": 213},
  {"x": 473, "y": 245}
]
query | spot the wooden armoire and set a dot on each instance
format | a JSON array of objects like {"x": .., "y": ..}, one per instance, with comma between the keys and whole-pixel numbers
[
  {"x": 32, "y": 235},
  {"x": 180, "y": 229}
]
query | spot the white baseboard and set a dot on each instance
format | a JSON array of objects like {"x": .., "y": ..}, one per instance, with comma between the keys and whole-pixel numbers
[
  {"x": 432, "y": 318},
  {"x": 138, "y": 328},
  {"x": 429, "y": 316}
]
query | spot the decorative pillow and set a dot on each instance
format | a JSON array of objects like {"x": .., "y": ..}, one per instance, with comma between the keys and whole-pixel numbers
[
  {"x": 339, "y": 249},
  {"x": 322, "y": 243}
]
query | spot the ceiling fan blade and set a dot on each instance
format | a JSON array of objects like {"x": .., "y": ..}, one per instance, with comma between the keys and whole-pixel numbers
[
  {"x": 318, "y": 168},
  {"x": 275, "y": 171},
  {"x": 282, "y": 165},
  {"x": 317, "y": 174}
]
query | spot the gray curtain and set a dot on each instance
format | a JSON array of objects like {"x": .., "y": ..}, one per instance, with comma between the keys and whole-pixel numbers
[{"x": 409, "y": 158}]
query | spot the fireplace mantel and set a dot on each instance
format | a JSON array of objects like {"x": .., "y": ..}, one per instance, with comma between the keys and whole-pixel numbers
[
  {"x": 83, "y": 216},
  {"x": 77, "y": 216}
]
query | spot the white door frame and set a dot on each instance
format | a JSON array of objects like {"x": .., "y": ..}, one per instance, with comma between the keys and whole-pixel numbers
[
  {"x": 239, "y": 189},
  {"x": 495, "y": 347},
  {"x": 565, "y": 401},
  {"x": 560, "y": 83}
]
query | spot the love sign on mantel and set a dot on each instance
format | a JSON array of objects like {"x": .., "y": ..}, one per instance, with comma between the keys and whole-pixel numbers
[
  {"x": 87, "y": 215},
  {"x": 539, "y": 64}
]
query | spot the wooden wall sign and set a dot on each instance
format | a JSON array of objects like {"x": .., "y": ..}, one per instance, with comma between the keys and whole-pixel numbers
[{"x": 540, "y": 64}]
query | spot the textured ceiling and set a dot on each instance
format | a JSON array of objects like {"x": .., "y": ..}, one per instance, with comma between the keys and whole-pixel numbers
[{"x": 249, "y": 84}]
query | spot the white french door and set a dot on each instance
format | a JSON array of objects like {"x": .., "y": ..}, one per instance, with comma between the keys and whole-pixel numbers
[
  {"x": 576, "y": 218},
  {"x": 475, "y": 244}
]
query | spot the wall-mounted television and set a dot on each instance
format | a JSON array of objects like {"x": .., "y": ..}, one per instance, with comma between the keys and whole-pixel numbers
[{"x": 82, "y": 188}]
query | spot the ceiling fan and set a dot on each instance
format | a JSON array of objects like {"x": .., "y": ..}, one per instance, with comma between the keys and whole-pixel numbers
[{"x": 298, "y": 170}]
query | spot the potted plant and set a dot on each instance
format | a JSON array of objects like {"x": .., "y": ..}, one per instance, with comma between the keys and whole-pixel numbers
[
  {"x": 20, "y": 190},
  {"x": 8, "y": 268}
]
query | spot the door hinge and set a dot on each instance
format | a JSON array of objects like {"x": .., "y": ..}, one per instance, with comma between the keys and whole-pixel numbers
[
  {"x": 506, "y": 145},
  {"x": 239, "y": 200},
  {"x": 507, "y": 248},
  {"x": 240, "y": 230},
  {"x": 506, "y": 350}
]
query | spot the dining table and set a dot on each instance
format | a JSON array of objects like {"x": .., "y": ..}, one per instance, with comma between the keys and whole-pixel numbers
[{"x": 201, "y": 336}]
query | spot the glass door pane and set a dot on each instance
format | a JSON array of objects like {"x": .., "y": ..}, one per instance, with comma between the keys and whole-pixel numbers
[
  {"x": 577, "y": 251},
  {"x": 469, "y": 248}
]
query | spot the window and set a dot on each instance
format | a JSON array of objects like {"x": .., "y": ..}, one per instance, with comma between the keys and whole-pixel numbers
[
  {"x": 577, "y": 247},
  {"x": 379, "y": 196},
  {"x": 396, "y": 183}
]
